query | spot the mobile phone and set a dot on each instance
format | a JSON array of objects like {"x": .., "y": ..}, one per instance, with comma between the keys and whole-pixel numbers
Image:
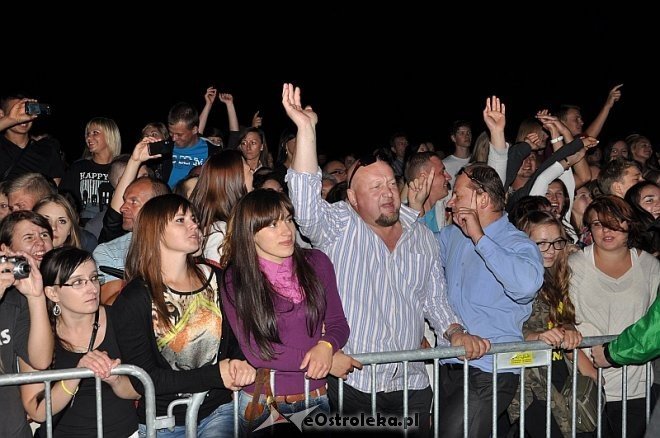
[
  {"x": 37, "y": 108},
  {"x": 163, "y": 147}
]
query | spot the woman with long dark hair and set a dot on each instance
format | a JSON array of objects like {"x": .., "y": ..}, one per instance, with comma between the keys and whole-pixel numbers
[
  {"x": 84, "y": 338},
  {"x": 170, "y": 321},
  {"x": 282, "y": 303}
]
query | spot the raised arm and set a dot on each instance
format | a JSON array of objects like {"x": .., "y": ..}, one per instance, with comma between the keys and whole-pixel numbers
[
  {"x": 140, "y": 155},
  {"x": 209, "y": 98},
  {"x": 232, "y": 118},
  {"x": 305, "y": 119},
  {"x": 495, "y": 119},
  {"x": 597, "y": 125},
  {"x": 40, "y": 343}
]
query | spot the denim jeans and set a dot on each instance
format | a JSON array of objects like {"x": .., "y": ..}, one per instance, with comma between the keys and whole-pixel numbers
[
  {"x": 284, "y": 408},
  {"x": 218, "y": 424}
]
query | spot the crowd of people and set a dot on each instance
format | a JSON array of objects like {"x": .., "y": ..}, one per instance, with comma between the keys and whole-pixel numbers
[{"x": 211, "y": 265}]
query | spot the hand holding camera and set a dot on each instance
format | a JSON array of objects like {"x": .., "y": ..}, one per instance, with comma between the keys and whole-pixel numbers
[
  {"x": 20, "y": 270},
  {"x": 37, "y": 108},
  {"x": 163, "y": 147},
  {"x": 17, "y": 265}
]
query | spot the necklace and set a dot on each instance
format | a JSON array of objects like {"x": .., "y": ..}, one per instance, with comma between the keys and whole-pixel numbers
[{"x": 92, "y": 338}]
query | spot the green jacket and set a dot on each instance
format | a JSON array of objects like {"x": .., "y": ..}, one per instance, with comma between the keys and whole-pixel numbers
[{"x": 639, "y": 342}]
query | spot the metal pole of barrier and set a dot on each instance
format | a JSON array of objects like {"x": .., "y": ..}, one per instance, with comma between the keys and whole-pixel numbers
[
  {"x": 574, "y": 395},
  {"x": 405, "y": 398},
  {"x": 624, "y": 406},
  {"x": 49, "y": 410},
  {"x": 340, "y": 395},
  {"x": 272, "y": 382},
  {"x": 522, "y": 402},
  {"x": 494, "y": 395},
  {"x": 436, "y": 397},
  {"x": 466, "y": 372},
  {"x": 548, "y": 398},
  {"x": 99, "y": 408},
  {"x": 599, "y": 430},
  {"x": 192, "y": 410},
  {"x": 49, "y": 376},
  {"x": 306, "y": 393},
  {"x": 236, "y": 414},
  {"x": 649, "y": 382},
  {"x": 373, "y": 390}
]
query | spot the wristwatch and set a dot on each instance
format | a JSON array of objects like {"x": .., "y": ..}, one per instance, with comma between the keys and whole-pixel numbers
[{"x": 452, "y": 331}]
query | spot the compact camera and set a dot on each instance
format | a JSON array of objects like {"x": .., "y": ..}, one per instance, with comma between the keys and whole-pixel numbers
[
  {"x": 21, "y": 267},
  {"x": 164, "y": 147},
  {"x": 37, "y": 108}
]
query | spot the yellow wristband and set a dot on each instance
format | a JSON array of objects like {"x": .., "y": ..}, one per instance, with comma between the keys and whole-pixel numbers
[
  {"x": 67, "y": 389},
  {"x": 327, "y": 343}
]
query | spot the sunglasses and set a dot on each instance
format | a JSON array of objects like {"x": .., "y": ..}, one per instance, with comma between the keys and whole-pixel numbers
[
  {"x": 363, "y": 161},
  {"x": 462, "y": 171}
]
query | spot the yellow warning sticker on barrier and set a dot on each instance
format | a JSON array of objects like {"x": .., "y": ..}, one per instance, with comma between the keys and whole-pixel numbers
[{"x": 523, "y": 359}]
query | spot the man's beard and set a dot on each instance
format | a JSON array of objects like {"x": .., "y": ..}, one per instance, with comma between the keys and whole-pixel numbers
[{"x": 388, "y": 221}]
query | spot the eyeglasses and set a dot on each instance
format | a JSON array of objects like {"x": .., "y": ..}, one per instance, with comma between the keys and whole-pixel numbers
[
  {"x": 338, "y": 172},
  {"x": 462, "y": 171},
  {"x": 558, "y": 244},
  {"x": 82, "y": 282},
  {"x": 361, "y": 162}
]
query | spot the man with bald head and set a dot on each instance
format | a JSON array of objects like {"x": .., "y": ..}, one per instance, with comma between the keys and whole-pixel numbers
[
  {"x": 388, "y": 271},
  {"x": 113, "y": 253}
]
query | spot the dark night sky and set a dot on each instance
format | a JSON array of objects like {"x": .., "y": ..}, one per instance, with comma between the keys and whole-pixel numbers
[{"x": 365, "y": 78}]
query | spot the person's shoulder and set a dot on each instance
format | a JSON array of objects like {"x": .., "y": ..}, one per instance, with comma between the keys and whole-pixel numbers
[
  {"x": 649, "y": 261},
  {"x": 579, "y": 258},
  {"x": 135, "y": 290},
  {"x": 317, "y": 256}
]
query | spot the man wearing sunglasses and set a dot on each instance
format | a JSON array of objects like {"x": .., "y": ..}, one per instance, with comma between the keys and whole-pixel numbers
[
  {"x": 493, "y": 272},
  {"x": 388, "y": 272}
]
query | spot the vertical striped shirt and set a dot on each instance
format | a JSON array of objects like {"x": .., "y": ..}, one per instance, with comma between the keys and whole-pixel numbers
[{"x": 386, "y": 295}]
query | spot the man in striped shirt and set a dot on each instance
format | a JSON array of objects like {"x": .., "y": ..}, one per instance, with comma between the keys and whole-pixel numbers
[{"x": 388, "y": 271}]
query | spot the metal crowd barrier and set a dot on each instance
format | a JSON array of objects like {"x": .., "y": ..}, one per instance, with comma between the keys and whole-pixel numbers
[
  {"x": 83, "y": 373},
  {"x": 520, "y": 355}
]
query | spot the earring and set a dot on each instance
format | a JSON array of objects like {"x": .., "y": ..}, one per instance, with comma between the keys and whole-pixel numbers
[{"x": 56, "y": 310}]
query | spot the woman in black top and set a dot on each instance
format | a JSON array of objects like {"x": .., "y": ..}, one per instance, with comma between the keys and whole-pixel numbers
[
  {"x": 169, "y": 320},
  {"x": 84, "y": 339}
]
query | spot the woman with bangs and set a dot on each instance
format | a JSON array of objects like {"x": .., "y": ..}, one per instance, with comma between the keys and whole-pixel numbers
[
  {"x": 170, "y": 321},
  {"x": 282, "y": 303},
  {"x": 84, "y": 338},
  {"x": 613, "y": 285},
  {"x": 553, "y": 322},
  {"x": 87, "y": 179}
]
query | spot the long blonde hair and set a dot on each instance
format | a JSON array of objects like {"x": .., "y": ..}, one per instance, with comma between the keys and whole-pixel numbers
[{"x": 554, "y": 291}]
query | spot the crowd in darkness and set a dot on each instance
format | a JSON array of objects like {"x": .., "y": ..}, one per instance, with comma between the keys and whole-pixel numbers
[{"x": 208, "y": 255}]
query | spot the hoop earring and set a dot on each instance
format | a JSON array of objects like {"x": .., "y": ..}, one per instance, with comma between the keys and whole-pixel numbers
[{"x": 57, "y": 311}]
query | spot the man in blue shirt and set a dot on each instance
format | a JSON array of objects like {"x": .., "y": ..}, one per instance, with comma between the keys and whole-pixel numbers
[
  {"x": 493, "y": 272},
  {"x": 190, "y": 150}
]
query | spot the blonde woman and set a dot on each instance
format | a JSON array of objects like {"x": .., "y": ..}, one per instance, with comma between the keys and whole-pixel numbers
[{"x": 87, "y": 179}]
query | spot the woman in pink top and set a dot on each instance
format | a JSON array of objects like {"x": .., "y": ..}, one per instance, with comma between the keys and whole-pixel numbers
[{"x": 282, "y": 303}]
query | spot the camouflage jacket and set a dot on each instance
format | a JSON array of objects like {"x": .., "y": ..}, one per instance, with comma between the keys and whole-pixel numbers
[{"x": 536, "y": 378}]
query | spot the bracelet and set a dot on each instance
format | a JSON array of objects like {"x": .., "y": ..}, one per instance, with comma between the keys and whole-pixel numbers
[
  {"x": 326, "y": 343},
  {"x": 557, "y": 140},
  {"x": 451, "y": 332},
  {"x": 67, "y": 389}
]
